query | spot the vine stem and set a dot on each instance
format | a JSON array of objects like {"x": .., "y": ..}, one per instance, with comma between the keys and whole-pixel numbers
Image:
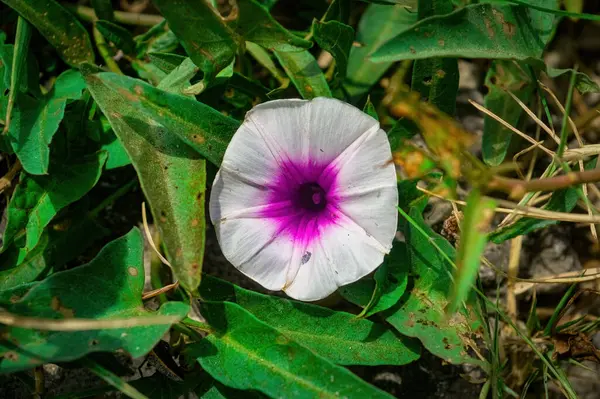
[
  {"x": 517, "y": 188},
  {"x": 128, "y": 18}
]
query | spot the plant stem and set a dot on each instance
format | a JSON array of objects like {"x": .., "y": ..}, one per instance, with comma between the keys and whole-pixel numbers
[
  {"x": 105, "y": 52},
  {"x": 565, "y": 122},
  {"x": 516, "y": 188},
  {"x": 128, "y": 18}
]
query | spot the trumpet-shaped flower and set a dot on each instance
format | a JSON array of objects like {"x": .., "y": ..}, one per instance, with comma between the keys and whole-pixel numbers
[{"x": 305, "y": 199}]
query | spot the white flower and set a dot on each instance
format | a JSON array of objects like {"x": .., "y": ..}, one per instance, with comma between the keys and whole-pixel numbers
[{"x": 305, "y": 200}]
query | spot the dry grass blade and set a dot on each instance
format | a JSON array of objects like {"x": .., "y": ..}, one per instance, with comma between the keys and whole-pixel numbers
[
  {"x": 562, "y": 278},
  {"x": 510, "y": 127},
  {"x": 535, "y": 118},
  {"x": 536, "y": 213}
]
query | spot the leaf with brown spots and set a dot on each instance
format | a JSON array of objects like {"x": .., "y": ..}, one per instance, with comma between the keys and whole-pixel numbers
[
  {"x": 303, "y": 70},
  {"x": 103, "y": 289},
  {"x": 149, "y": 122},
  {"x": 497, "y": 31},
  {"x": 64, "y": 32},
  {"x": 423, "y": 314},
  {"x": 445, "y": 139}
]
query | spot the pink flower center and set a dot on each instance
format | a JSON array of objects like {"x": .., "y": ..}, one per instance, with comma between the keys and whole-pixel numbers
[{"x": 302, "y": 200}]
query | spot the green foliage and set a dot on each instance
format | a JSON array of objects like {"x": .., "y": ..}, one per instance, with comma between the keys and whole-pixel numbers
[
  {"x": 269, "y": 361},
  {"x": 503, "y": 77},
  {"x": 436, "y": 79},
  {"x": 337, "y": 336},
  {"x": 336, "y": 38},
  {"x": 423, "y": 314},
  {"x": 174, "y": 181},
  {"x": 59, "y": 27},
  {"x": 303, "y": 70},
  {"x": 378, "y": 24},
  {"x": 38, "y": 199},
  {"x": 35, "y": 121},
  {"x": 85, "y": 145},
  {"x": 386, "y": 287},
  {"x": 475, "y": 31},
  {"x": 108, "y": 288}
]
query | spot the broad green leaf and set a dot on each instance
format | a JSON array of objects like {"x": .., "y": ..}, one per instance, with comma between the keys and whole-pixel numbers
[
  {"x": 337, "y": 336},
  {"x": 37, "y": 199},
  {"x": 475, "y": 31},
  {"x": 35, "y": 122},
  {"x": 474, "y": 227},
  {"x": 302, "y": 68},
  {"x": 378, "y": 24},
  {"x": 64, "y": 32},
  {"x": 385, "y": 288},
  {"x": 200, "y": 126},
  {"x": 179, "y": 78},
  {"x": 120, "y": 36},
  {"x": 253, "y": 23},
  {"x": 167, "y": 62},
  {"x": 336, "y": 38},
  {"x": 436, "y": 79},
  {"x": 501, "y": 78},
  {"x": 210, "y": 388},
  {"x": 19, "y": 62},
  {"x": 109, "y": 287},
  {"x": 171, "y": 173},
  {"x": 245, "y": 353},
  {"x": 423, "y": 314},
  {"x": 205, "y": 36},
  {"x": 59, "y": 244}
]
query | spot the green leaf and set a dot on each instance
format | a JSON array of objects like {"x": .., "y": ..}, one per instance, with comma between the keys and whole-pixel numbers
[
  {"x": 337, "y": 336},
  {"x": 37, "y": 199},
  {"x": 179, "y": 78},
  {"x": 378, "y": 24},
  {"x": 269, "y": 361},
  {"x": 474, "y": 31},
  {"x": 108, "y": 288},
  {"x": 436, "y": 79},
  {"x": 172, "y": 174},
  {"x": 35, "y": 122},
  {"x": 208, "y": 41},
  {"x": 64, "y": 32},
  {"x": 19, "y": 62},
  {"x": 103, "y": 9},
  {"x": 303, "y": 70},
  {"x": 423, "y": 314},
  {"x": 337, "y": 38},
  {"x": 503, "y": 76},
  {"x": 200, "y": 126},
  {"x": 255, "y": 24},
  {"x": 478, "y": 216},
  {"x": 120, "y": 36},
  {"x": 58, "y": 245},
  {"x": 386, "y": 287},
  {"x": 583, "y": 82}
]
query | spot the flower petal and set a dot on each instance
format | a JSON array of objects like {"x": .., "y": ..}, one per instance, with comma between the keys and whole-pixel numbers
[
  {"x": 317, "y": 130},
  {"x": 367, "y": 187},
  {"x": 342, "y": 256}
]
